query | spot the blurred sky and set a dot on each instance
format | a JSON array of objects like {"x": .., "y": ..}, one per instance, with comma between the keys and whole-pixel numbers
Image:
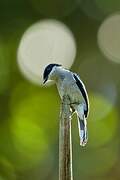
[{"x": 84, "y": 36}]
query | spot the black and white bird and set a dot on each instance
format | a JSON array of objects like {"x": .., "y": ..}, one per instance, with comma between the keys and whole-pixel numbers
[{"x": 70, "y": 84}]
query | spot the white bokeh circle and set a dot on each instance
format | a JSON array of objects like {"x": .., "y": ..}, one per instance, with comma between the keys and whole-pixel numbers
[
  {"x": 48, "y": 41},
  {"x": 109, "y": 38}
]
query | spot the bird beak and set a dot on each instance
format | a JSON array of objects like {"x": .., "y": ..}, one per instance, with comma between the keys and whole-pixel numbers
[{"x": 44, "y": 81}]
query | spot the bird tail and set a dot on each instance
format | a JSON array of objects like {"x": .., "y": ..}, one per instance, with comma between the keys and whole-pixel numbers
[{"x": 82, "y": 125}]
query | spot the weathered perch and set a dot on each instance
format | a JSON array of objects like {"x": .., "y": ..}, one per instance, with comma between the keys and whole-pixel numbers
[{"x": 65, "y": 142}]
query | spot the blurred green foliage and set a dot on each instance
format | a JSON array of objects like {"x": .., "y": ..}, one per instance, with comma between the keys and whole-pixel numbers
[
  {"x": 29, "y": 115},
  {"x": 55, "y": 8},
  {"x": 108, "y": 6}
]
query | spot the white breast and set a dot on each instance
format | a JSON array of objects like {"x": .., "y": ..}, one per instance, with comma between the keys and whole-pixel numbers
[{"x": 67, "y": 86}]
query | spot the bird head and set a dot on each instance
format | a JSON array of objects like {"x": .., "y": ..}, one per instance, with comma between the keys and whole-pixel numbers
[{"x": 49, "y": 69}]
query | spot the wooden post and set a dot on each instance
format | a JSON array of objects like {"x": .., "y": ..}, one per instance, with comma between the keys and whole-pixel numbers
[{"x": 65, "y": 142}]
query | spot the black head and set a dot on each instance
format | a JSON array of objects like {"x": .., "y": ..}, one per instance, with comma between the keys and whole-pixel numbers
[{"x": 47, "y": 71}]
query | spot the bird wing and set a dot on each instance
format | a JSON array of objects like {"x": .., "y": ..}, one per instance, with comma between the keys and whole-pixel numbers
[{"x": 83, "y": 91}]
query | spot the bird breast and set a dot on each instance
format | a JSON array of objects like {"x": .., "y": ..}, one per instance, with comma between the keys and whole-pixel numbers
[{"x": 68, "y": 87}]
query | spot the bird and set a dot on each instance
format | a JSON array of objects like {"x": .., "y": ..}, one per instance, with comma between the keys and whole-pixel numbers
[{"x": 69, "y": 83}]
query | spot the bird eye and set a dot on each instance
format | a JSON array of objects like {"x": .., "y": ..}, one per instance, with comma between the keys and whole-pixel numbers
[{"x": 48, "y": 69}]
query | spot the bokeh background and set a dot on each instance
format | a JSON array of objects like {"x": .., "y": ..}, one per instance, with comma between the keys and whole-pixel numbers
[{"x": 29, "y": 112}]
